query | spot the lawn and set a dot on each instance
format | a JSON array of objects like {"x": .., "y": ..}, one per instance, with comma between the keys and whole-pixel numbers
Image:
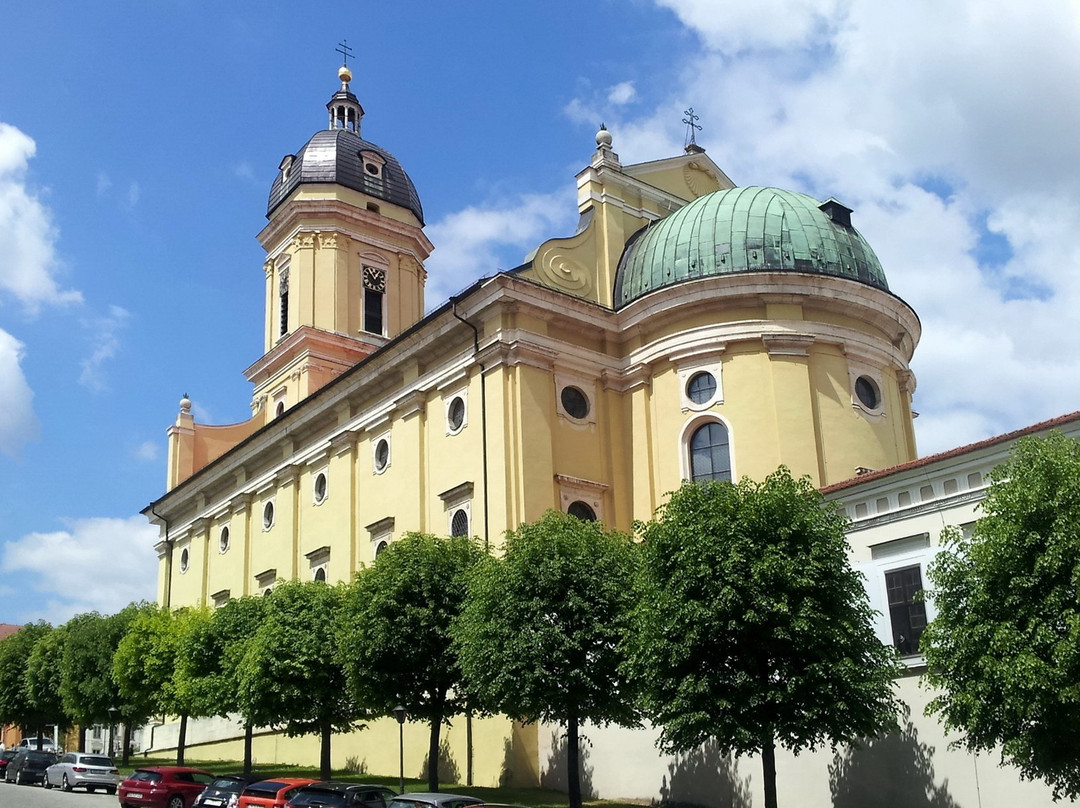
[{"x": 528, "y": 797}]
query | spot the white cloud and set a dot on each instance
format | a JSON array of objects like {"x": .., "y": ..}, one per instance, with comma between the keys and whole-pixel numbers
[
  {"x": 622, "y": 93},
  {"x": 27, "y": 233},
  {"x": 475, "y": 242},
  {"x": 18, "y": 423},
  {"x": 873, "y": 102},
  {"x": 147, "y": 451},
  {"x": 105, "y": 342},
  {"x": 97, "y": 564}
]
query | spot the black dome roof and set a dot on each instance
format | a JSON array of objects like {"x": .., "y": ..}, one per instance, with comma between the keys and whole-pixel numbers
[{"x": 334, "y": 156}]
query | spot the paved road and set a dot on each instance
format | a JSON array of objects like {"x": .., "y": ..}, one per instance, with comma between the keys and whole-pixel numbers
[{"x": 13, "y": 796}]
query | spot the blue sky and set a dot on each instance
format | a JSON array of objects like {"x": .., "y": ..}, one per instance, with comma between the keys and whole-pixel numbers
[{"x": 138, "y": 142}]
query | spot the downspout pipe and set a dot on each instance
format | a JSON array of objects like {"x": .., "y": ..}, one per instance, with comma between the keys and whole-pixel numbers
[
  {"x": 167, "y": 593},
  {"x": 483, "y": 419}
]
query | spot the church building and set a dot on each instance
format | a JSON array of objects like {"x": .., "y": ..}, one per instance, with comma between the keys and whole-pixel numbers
[{"x": 688, "y": 329}]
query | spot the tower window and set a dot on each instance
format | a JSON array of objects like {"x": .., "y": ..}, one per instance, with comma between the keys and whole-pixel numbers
[
  {"x": 582, "y": 511},
  {"x": 867, "y": 392},
  {"x": 374, "y": 291},
  {"x": 574, "y": 402},
  {"x": 701, "y": 387},
  {"x": 459, "y": 523},
  {"x": 283, "y": 300},
  {"x": 710, "y": 453}
]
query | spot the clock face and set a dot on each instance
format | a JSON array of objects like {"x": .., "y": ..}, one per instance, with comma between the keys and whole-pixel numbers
[{"x": 374, "y": 279}]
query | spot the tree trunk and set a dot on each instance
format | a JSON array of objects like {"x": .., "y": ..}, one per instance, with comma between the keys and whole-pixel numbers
[
  {"x": 433, "y": 751},
  {"x": 468, "y": 749},
  {"x": 324, "y": 752},
  {"x": 768, "y": 765},
  {"x": 247, "y": 748},
  {"x": 573, "y": 757},
  {"x": 181, "y": 742},
  {"x": 82, "y": 738},
  {"x": 126, "y": 751}
]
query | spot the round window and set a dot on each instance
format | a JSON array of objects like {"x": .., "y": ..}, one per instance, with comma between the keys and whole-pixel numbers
[
  {"x": 268, "y": 515},
  {"x": 320, "y": 487},
  {"x": 382, "y": 454},
  {"x": 459, "y": 524},
  {"x": 701, "y": 388},
  {"x": 582, "y": 511},
  {"x": 867, "y": 392},
  {"x": 574, "y": 402},
  {"x": 455, "y": 415},
  {"x": 371, "y": 168},
  {"x": 223, "y": 539},
  {"x": 184, "y": 559}
]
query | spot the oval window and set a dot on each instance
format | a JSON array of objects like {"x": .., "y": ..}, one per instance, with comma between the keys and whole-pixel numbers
[
  {"x": 701, "y": 388},
  {"x": 223, "y": 539},
  {"x": 184, "y": 559},
  {"x": 867, "y": 392},
  {"x": 455, "y": 415},
  {"x": 268, "y": 515},
  {"x": 320, "y": 488},
  {"x": 574, "y": 402},
  {"x": 382, "y": 454}
]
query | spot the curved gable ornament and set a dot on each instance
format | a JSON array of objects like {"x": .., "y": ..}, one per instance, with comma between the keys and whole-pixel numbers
[{"x": 692, "y": 176}]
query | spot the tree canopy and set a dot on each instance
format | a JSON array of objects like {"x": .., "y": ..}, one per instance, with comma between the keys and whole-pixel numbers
[
  {"x": 394, "y": 638},
  {"x": 17, "y": 702},
  {"x": 290, "y": 677},
  {"x": 540, "y": 635},
  {"x": 752, "y": 628},
  {"x": 1004, "y": 648}
]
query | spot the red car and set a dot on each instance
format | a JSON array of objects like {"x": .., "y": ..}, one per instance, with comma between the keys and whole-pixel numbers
[
  {"x": 271, "y": 793},
  {"x": 163, "y": 787}
]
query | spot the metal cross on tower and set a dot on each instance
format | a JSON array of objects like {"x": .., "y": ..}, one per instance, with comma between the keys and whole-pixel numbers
[
  {"x": 691, "y": 127},
  {"x": 345, "y": 51}
]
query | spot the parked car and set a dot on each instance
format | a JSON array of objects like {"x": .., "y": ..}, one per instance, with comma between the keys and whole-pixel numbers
[
  {"x": 28, "y": 766},
  {"x": 272, "y": 793},
  {"x": 82, "y": 770},
  {"x": 433, "y": 799},
  {"x": 334, "y": 794},
  {"x": 46, "y": 744},
  {"x": 163, "y": 786},
  {"x": 5, "y": 758},
  {"x": 224, "y": 792}
]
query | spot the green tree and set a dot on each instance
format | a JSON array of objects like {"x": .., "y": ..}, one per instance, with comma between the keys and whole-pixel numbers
[
  {"x": 290, "y": 677},
  {"x": 17, "y": 705},
  {"x": 144, "y": 667},
  {"x": 1004, "y": 648},
  {"x": 87, "y": 684},
  {"x": 210, "y": 652},
  {"x": 540, "y": 636},
  {"x": 394, "y": 637},
  {"x": 753, "y": 629},
  {"x": 43, "y": 678}
]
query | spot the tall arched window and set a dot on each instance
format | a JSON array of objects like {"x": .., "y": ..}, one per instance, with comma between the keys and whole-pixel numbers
[{"x": 710, "y": 453}]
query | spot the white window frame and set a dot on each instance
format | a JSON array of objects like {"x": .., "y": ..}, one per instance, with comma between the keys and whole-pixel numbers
[
  {"x": 385, "y": 436},
  {"x": 449, "y": 400},
  {"x": 690, "y": 427},
  {"x": 588, "y": 389},
  {"x": 873, "y": 573},
  {"x": 690, "y": 371}
]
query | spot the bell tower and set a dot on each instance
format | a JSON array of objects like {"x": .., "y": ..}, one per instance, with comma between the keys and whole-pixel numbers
[{"x": 345, "y": 252}]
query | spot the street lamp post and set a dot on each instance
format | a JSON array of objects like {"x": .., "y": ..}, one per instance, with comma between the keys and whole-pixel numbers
[
  {"x": 112, "y": 730},
  {"x": 400, "y": 714}
]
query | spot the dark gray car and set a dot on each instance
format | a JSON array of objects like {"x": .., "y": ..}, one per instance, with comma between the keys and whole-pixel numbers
[
  {"x": 28, "y": 766},
  {"x": 83, "y": 770}
]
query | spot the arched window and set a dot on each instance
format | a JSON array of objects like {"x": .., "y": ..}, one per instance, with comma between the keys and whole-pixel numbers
[
  {"x": 459, "y": 523},
  {"x": 710, "y": 453},
  {"x": 582, "y": 511}
]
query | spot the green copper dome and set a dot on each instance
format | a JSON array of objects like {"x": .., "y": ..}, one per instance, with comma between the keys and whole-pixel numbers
[{"x": 746, "y": 230}]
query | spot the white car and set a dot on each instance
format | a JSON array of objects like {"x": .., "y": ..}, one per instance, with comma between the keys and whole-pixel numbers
[
  {"x": 47, "y": 744},
  {"x": 82, "y": 770}
]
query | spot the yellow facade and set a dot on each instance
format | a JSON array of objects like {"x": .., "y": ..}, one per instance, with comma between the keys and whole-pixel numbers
[{"x": 352, "y": 443}]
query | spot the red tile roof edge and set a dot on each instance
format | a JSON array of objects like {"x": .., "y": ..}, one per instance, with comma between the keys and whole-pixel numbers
[
  {"x": 1042, "y": 426},
  {"x": 6, "y": 630}
]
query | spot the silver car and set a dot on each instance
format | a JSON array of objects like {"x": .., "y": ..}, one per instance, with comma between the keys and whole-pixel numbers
[{"x": 82, "y": 770}]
